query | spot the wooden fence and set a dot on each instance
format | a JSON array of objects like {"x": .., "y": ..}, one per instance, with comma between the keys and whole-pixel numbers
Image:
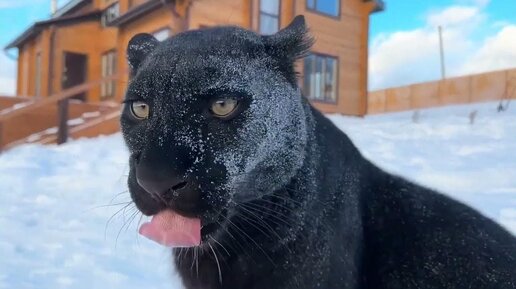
[{"x": 491, "y": 86}]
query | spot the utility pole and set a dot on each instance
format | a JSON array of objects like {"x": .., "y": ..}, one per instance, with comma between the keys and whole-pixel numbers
[
  {"x": 53, "y": 6},
  {"x": 441, "y": 48}
]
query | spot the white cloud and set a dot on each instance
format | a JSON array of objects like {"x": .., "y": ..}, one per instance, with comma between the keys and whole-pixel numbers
[
  {"x": 406, "y": 57},
  {"x": 497, "y": 52},
  {"x": 7, "y": 86},
  {"x": 455, "y": 15}
]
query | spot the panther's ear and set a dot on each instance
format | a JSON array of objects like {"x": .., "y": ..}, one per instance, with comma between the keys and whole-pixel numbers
[
  {"x": 288, "y": 45},
  {"x": 138, "y": 48}
]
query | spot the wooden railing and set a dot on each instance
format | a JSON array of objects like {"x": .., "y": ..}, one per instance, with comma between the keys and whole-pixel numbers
[{"x": 60, "y": 99}]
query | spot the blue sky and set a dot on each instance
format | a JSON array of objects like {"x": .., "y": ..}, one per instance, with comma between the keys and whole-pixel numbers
[
  {"x": 479, "y": 36},
  {"x": 406, "y": 14},
  {"x": 403, "y": 49}
]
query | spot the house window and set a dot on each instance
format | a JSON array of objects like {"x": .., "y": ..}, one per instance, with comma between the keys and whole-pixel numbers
[
  {"x": 37, "y": 79},
  {"x": 162, "y": 34},
  {"x": 110, "y": 14},
  {"x": 328, "y": 7},
  {"x": 269, "y": 16},
  {"x": 107, "y": 89},
  {"x": 320, "y": 77}
]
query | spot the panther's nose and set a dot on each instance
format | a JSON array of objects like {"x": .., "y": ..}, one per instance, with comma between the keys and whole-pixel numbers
[
  {"x": 164, "y": 183},
  {"x": 158, "y": 181},
  {"x": 159, "y": 185}
]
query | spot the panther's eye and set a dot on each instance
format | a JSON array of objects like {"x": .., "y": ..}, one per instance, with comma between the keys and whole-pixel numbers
[
  {"x": 224, "y": 107},
  {"x": 140, "y": 109}
]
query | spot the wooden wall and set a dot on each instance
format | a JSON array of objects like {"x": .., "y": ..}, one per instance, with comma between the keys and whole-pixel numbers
[
  {"x": 220, "y": 12},
  {"x": 345, "y": 37},
  {"x": 490, "y": 86},
  {"x": 72, "y": 39},
  {"x": 26, "y": 82}
]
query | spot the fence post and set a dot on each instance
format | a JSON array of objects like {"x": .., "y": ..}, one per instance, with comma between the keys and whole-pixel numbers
[{"x": 62, "y": 112}]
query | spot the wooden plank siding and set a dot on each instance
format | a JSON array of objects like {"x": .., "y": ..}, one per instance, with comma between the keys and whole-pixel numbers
[
  {"x": 72, "y": 39},
  {"x": 345, "y": 37}
]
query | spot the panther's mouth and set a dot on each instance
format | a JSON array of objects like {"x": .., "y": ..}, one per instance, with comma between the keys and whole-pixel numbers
[{"x": 170, "y": 229}]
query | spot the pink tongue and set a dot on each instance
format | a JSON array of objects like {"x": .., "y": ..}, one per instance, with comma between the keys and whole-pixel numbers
[{"x": 173, "y": 230}]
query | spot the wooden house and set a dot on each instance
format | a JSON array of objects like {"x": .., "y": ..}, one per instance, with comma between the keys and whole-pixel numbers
[{"x": 85, "y": 41}]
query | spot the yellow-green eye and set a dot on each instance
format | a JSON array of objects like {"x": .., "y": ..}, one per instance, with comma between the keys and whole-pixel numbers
[
  {"x": 224, "y": 107},
  {"x": 140, "y": 109}
]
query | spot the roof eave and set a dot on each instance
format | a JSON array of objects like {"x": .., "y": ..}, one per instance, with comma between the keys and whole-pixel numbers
[
  {"x": 379, "y": 6},
  {"x": 33, "y": 30},
  {"x": 26, "y": 35}
]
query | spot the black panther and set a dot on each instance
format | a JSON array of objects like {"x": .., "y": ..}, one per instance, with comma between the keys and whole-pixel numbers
[{"x": 225, "y": 148}]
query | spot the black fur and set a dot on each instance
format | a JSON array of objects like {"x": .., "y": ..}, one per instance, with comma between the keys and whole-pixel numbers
[{"x": 286, "y": 199}]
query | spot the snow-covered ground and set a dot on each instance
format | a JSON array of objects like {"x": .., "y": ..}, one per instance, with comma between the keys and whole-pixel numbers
[{"x": 54, "y": 223}]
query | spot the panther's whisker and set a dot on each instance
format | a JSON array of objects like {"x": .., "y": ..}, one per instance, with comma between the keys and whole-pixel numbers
[
  {"x": 218, "y": 264},
  {"x": 112, "y": 216},
  {"x": 258, "y": 220},
  {"x": 126, "y": 225},
  {"x": 236, "y": 241},
  {"x": 110, "y": 205},
  {"x": 246, "y": 219},
  {"x": 243, "y": 248},
  {"x": 252, "y": 240},
  {"x": 197, "y": 261},
  {"x": 215, "y": 240},
  {"x": 275, "y": 214},
  {"x": 137, "y": 229},
  {"x": 264, "y": 224}
]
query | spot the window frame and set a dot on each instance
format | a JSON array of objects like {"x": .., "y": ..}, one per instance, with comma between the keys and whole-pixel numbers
[
  {"x": 315, "y": 11},
  {"x": 108, "y": 15},
  {"x": 336, "y": 77},
  {"x": 260, "y": 12},
  {"x": 108, "y": 89}
]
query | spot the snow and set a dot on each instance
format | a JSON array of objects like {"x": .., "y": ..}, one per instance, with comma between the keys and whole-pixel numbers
[
  {"x": 33, "y": 138},
  {"x": 75, "y": 121},
  {"x": 16, "y": 106},
  {"x": 55, "y": 232},
  {"x": 475, "y": 164},
  {"x": 51, "y": 130},
  {"x": 55, "y": 223},
  {"x": 91, "y": 114}
]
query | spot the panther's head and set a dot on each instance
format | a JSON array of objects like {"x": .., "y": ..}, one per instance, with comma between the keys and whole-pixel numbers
[{"x": 212, "y": 118}]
